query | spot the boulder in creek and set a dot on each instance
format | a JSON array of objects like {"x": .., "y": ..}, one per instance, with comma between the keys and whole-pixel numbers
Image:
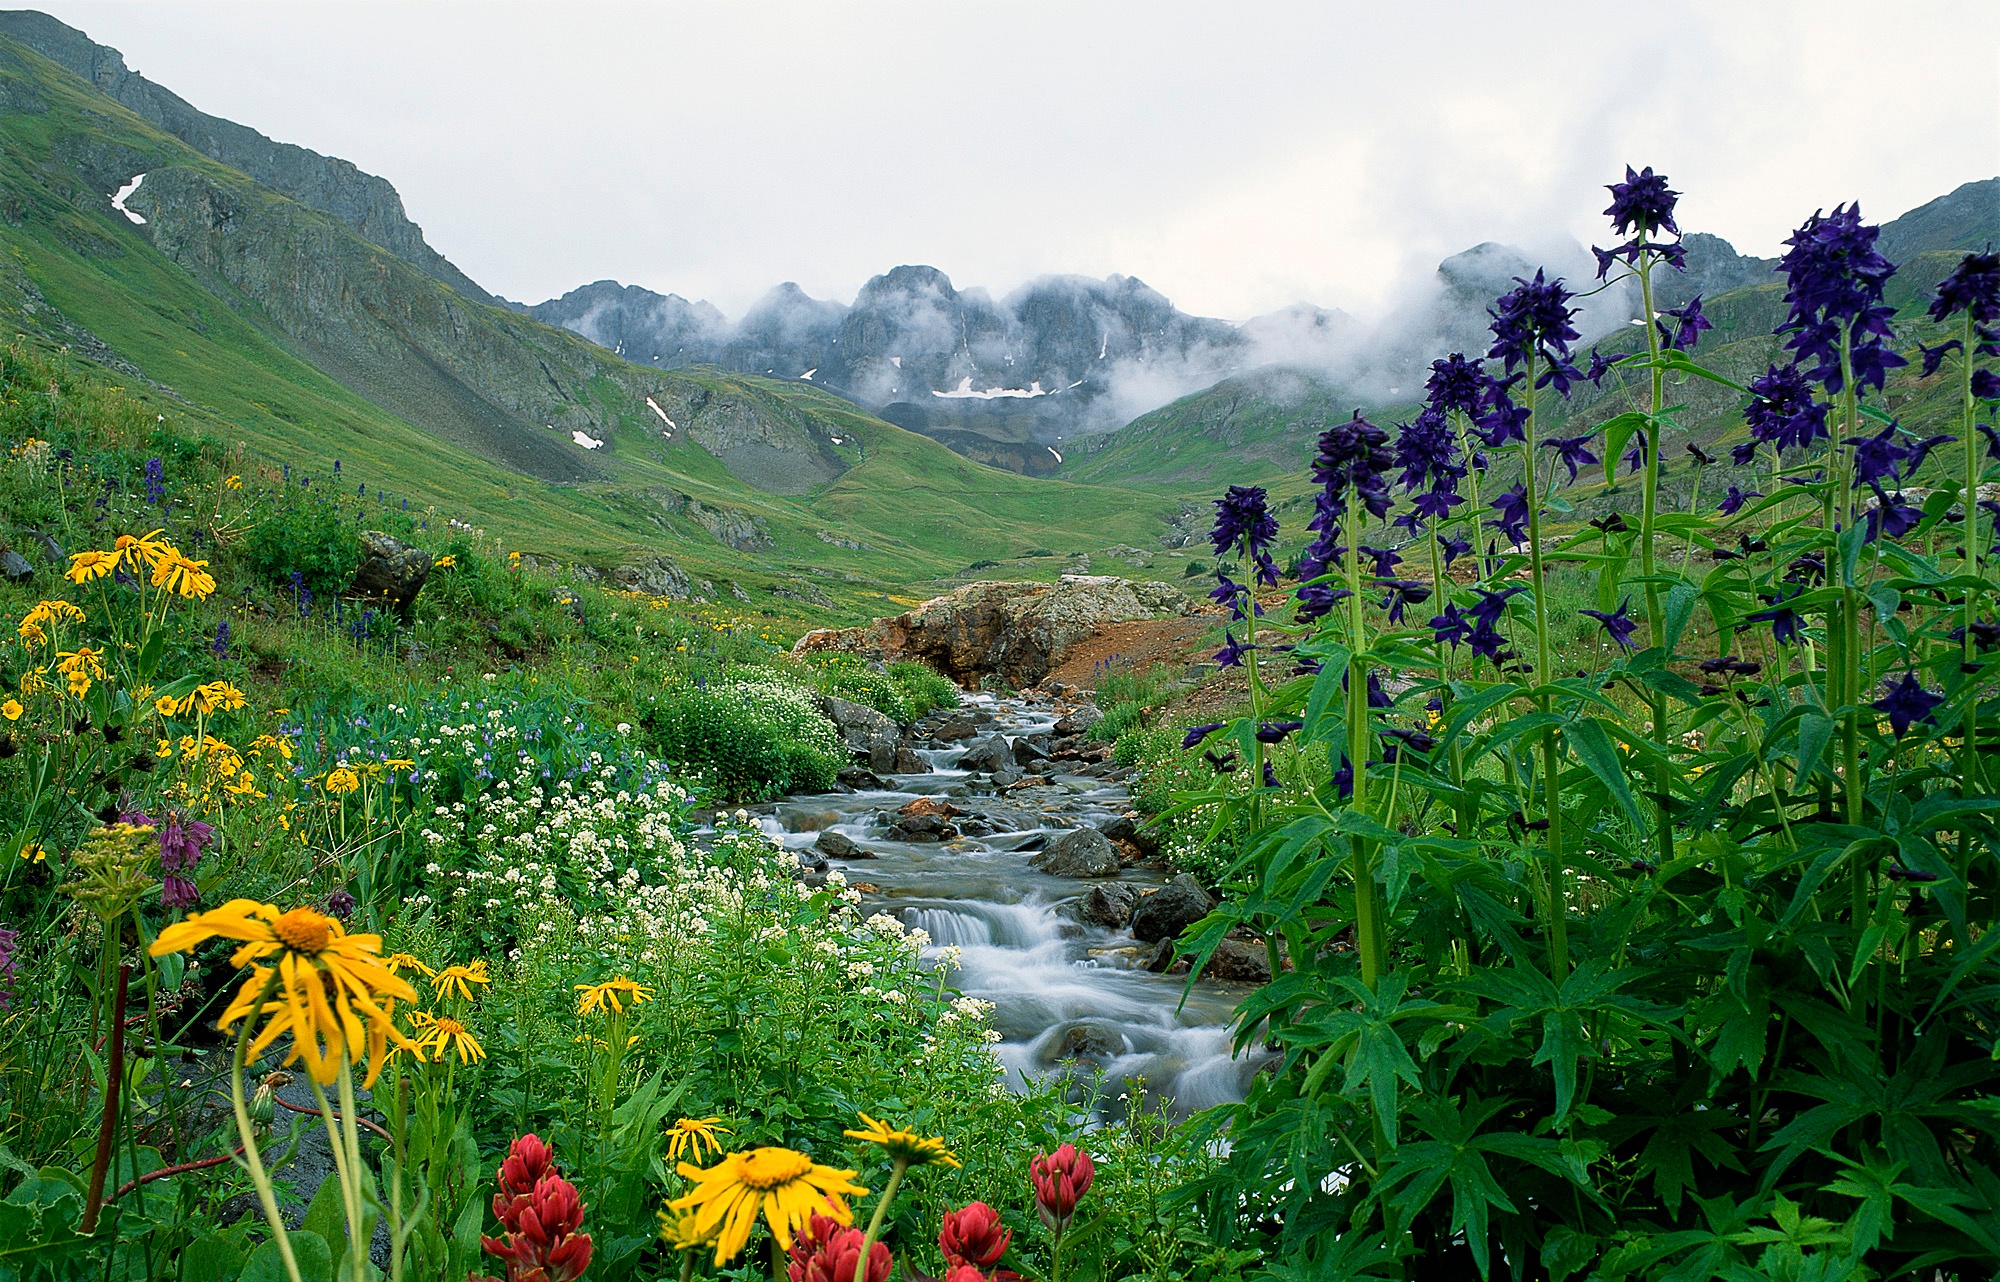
[
  {"x": 1109, "y": 905},
  {"x": 1078, "y": 719},
  {"x": 987, "y": 754},
  {"x": 908, "y": 762},
  {"x": 1171, "y": 909},
  {"x": 861, "y": 779},
  {"x": 1078, "y": 853},
  {"x": 1083, "y": 1040},
  {"x": 1030, "y": 750},
  {"x": 937, "y": 806},
  {"x": 868, "y": 734},
  {"x": 1239, "y": 961},
  {"x": 391, "y": 571},
  {"x": 1018, "y": 632},
  {"x": 836, "y": 845},
  {"x": 1007, "y": 775},
  {"x": 922, "y": 827}
]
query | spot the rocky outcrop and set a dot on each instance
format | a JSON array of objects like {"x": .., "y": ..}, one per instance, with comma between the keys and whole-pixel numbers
[
  {"x": 1019, "y": 632},
  {"x": 654, "y": 576},
  {"x": 391, "y": 571},
  {"x": 869, "y": 735},
  {"x": 987, "y": 755}
]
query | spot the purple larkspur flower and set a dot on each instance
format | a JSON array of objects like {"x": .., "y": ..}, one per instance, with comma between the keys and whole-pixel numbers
[
  {"x": 1427, "y": 452},
  {"x": 1532, "y": 321},
  {"x": 1985, "y": 385},
  {"x": 1276, "y": 731},
  {"x": 1491, "y": 606},
  {"x": 340, "y": 904},
  {"x": 1573, "y": 451},
  {"x": 1974, "y": 286},
  {"x": 1835, "y": 280},
  {"x": 1934, "y": 356},
  {"x": 1878, "y": 456},
  {"x": 1454, "y": 548},
  {"x": 1907, "y": 703},
  {"x": 1891, "y": 517},
  {"x": 1385, "y": 560},
  {"x": 1599, "y": 367},
  {"x": 1242, "y": 515},
  {"x": 1196, "y": 734},
  {"x": 1455, "y": 385},
  {"x": 1688, "y": 327},
  {"x": 1618, "y": 624},
  {"x": 1404, "y": 593},
  {"x": 1512, "y": 507},
  {"x": 1451, "y": 627},
  {"x": 1503, "y": 419},
  {"x": 1343, "y": 779},
  {"x": 1782, "y": 409},
  {"x": 1733, "y": 501},
  {"x": 1642, "y": 203},
  {"x": 1232, "y": 651},
  {"x": 1784, "y": 621},
  {"x": 1918, "y": 451}
]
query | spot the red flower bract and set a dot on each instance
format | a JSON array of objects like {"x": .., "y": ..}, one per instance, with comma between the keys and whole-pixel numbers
[
  {"x": 831, "y": 1252},
  {"x": 1061, "y": 1178},
  {"x": 973, "y": 1235},
  {"x": 541, "y": 1213}
]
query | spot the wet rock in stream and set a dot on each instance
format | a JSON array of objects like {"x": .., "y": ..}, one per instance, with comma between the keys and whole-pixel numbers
[
  {"x": 1080, "y": 852},
  {"x": 1168, "y": 911}
]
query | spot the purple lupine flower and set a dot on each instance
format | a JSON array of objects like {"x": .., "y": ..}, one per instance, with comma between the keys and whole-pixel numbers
[
  {"x": 1241, "y": 515},
  {"x": 1572, "y": 450},
  {"x": 1835, "y": 283},
  {"x": 1533, "y": 321},
  {"x": 1934, "y": 356},
  {"x": 1275, "y": 731},
  {"x": 1196, "y": 734},
  {"x": 1402, "y": 593},
  {"x": 1784, "y": 622},
  {"x": 1599, "y": 367},
  {"x": 1733, "y": 501},
  {"x": 1907, "y": 703},
  {"x": 1512, "y": 507},
  {"x": 1455, "y": 384},
  {"x": 340, "y": 905},
  {"x": 156, "y": 485},
  {"x": 10, "y": 961},
  {"x": 1618, "y": 623},
  {"x": 1451, "y": 627},
  {"x": 1688, "y": 329},
  {"x": 1782, "y": 409},
  {"x": 1454, "y": 548},
  {"x": 1891, "y": 516},
  {"x": 1232, "y": 652},
  {"x": 220, "y": 646},
  {"x": 1643, "y": 202},
  {"x": 1502, "y": 420},
  {"x": 1878, "y": 456},
  {"x": 1973, "y": 285}
]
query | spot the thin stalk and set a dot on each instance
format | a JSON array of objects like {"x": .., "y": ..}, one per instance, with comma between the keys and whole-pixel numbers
[
  {"x": 114, "y": 1079},
  {"x": 875, "y": 1221},
  {"x": 1369, "y": 942},
  {"x": 1551, "y": 772},
  {"x": 267, "y": 1198},
  {"x": 1656, "y": 701},
  {"x": 342, "y": 1172},
  {"x": 1969, "y": 337}
]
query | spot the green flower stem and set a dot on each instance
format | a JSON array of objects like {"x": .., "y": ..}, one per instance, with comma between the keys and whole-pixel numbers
[
  {"x": 114, "y": 1079},
  {"x": 1370, "y": 938},
  {"x": 687, "y": 1265},
  {"x": 1967, "y": 433},
  {"x": 245, "y": 1131},
  {"x": 1256, "y": 690},
  {"x": 875, "y": 1221},
  {"x": 343, "y": 1170},
  {"x": 1650, "y": 502},
  {"x": 1852, "y": 655},
  {"x": 1551, "y": 764}
]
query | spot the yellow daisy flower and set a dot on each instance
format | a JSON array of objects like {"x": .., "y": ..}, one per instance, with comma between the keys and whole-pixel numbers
[
  {"x": 686, "y": 1137},
  {"x": 326, "y": 987},
  {"x": 610, "y": 996},
  {"x": 459, "y": 979},
  {"x": 341, "y": 780},
  {"x": 12, "y": 709},
  {"x": 907, "y": 1147},
  {"x": 176, "y": 573},
  {"x": 788, "y": 1187},
  {"x": 400, "y": 962},
  {"x": 441, "y": 1033},
  {"x": 85, "y": 566}
]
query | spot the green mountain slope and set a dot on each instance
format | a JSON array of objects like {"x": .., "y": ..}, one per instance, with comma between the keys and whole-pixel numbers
[{"x": 265, "y": 322}]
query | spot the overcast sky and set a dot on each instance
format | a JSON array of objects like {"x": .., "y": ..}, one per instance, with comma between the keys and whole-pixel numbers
[{"x": 1237, "y": 156}]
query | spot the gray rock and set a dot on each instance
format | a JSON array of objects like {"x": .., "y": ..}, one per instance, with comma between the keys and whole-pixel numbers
[
  {"x": 656, "y": 576},
  {"x": 1164, "y": 962},
  {"x": 861, "y": 779},
  {"x": 15, "y": 567},
  {"x": 1171, "y": 909},
  {"x": 1081, "y": 852},
  {"x": 1109, "y": 905},
  {"x": 1118, "y": 827},
  {"x": 839, "y": 846},
  {"x": 988, "y": 753},
  {"x": 1079, "y": 719},
  {"x": 1007, "y": 776},
  {"x": 45, "y": 547},
  {"x": 1239, "y": 961},
  {"x": 1083, "y": 1040},
  {"x": 1029, "y": 752},
  {"x": 391, "y": 570},
  {"x": 812, "y": 861},
  {"x": 921, "y": 828},
  {"x": 955, "y": 728},
  {"x": 909, "y": 763},
  {"x": 868, "y": 734}
]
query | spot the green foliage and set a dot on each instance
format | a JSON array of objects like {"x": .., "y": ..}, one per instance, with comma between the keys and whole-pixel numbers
[
  {"x": 749, "y": 738},
  {"x": 924, "y": 687},
  {"x": 1128, "y": 699},
  {"x": 305, "y": 535}
]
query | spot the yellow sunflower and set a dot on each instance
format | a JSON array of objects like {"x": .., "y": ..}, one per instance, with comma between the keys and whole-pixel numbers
[
  {"x": 147, "y": 549},
  {"x": 459, "y": 979},
  {"x": 788, "y": 1187},
  {"x": 327, "y": 982},
  {"x": 400, "y": 962},
  {"x": 342, "y": 780},
  {"x": 610, "y": 996},
  {"x": 686, "y": 1137},
  {"x": 907, "y": 1147},
  {"x": 176, "y": 573},
  {"x": 12, "y": 709}
]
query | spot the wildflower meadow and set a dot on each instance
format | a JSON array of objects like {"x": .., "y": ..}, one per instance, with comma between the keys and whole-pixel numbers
[{"x": 1627, "y": 884}]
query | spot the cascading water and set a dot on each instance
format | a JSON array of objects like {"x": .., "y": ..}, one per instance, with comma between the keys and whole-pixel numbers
[{"x": 1069, "y": 998}]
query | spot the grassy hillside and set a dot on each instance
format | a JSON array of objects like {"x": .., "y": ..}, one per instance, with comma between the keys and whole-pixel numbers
[{"x": 253, "y": 320}]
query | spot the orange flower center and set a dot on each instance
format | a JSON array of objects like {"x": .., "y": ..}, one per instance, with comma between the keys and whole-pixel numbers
[
  {"x": 766, "y": 1168},
  {"x": 450, "y": 1027},
  {"x": 304, "y": 931}
]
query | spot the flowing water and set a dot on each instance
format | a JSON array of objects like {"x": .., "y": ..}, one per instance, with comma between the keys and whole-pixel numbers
[{"x": 1069, "y": 997}]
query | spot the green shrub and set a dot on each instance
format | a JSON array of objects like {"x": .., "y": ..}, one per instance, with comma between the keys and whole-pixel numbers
[
  {"x": 751, "y": 739},
  {"x": 923, "y": 687},
  {"x": 306, "y": 536}
]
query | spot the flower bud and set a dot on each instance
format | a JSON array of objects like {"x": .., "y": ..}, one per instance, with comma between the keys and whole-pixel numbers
[{"x": 1060, "y": 1178}]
